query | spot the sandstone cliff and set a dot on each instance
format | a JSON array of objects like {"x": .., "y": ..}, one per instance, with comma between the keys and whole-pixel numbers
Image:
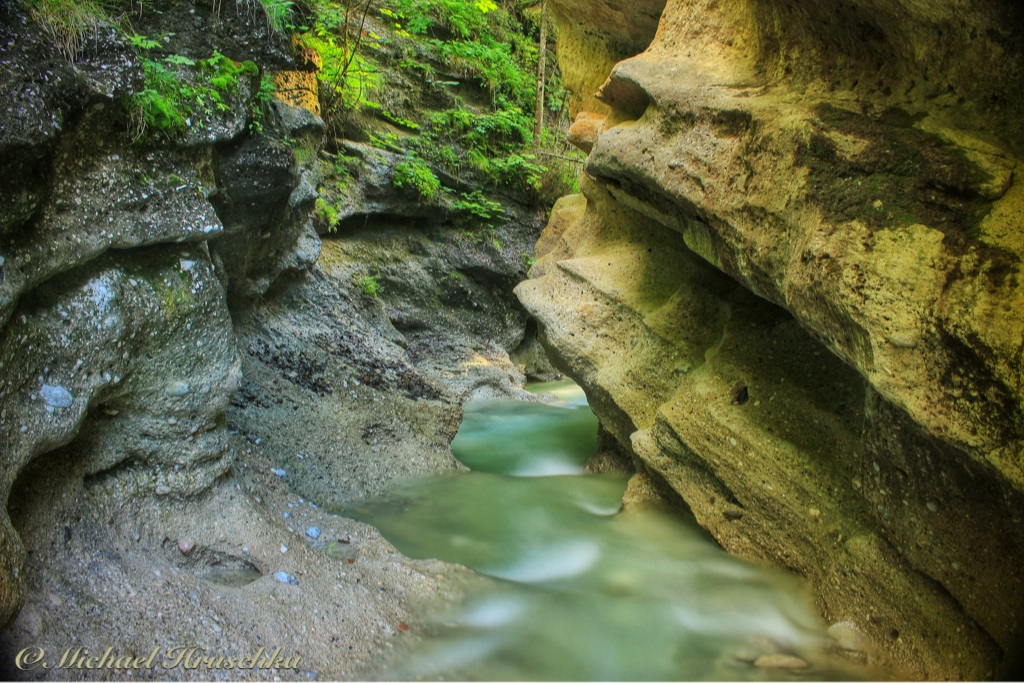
[{"x": 791, "y": 289}]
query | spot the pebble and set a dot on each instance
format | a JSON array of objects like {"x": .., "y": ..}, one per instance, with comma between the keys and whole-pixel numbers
[
  {"x": 56, "y": 396},
  {"x": 30, "y": 622},
  {"x": 284, "y": 549},
  {"x": 177, "y": 389},
  {"x": 162, "y": 490},
  {"x": 285, "y": 577},
  {"x": 779, "y": 661},
  {"x": 313, "y": 532},
  {"x": 278, "y": 472},
  {"x": 185, "y": 545},
  {"x": 847, "y": 635}
]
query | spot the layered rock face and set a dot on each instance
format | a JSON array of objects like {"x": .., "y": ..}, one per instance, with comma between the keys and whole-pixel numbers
[
  {"x": 187, "y": 382},
  {"x": 113, "y": 315},
  {"x": 791, "y": 289}
]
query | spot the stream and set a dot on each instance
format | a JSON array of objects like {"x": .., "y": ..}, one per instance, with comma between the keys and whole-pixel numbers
[{"x": 576, "y": 588}]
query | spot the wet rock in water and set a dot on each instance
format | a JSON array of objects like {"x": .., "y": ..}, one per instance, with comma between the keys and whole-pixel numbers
[
  {"x": 779, "y": 661},
  {"x": 56, "y": 396},
  {"x": 185, "y": 545}
]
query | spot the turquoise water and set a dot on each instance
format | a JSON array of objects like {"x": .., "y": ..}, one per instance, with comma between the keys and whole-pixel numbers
[{"x": 579, "y": 589}]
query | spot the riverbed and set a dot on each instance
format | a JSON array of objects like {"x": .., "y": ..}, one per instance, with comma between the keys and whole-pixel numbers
[{"x": 575, "y": 587}]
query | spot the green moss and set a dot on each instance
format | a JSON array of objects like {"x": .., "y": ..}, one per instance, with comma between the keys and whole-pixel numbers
[{"x": 176, "y": 298}]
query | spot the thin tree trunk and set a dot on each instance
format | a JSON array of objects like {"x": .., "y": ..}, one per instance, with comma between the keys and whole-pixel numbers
[{"x": 538, "y": 127}]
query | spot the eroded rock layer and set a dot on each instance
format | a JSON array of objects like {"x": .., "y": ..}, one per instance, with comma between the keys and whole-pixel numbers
[{"x": 791, "y": 288}]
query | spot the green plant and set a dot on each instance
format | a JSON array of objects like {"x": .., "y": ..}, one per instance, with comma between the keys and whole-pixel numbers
[
  {"x": 475, "y": 205},
  {"x": 415, "y": 173},
  {"x": 517, "y": 171},
  {"x": 258, "y": 104},
  {"x": 279, "y": 13},
  {"x": 177, "y": 88},
  {"x": 345, "y": 164},
  {"x": 346, "y": 77},
  {"x": 175, "y": 296},
  {"x": 369, "y": 284},
  {"x": 477, "y": 38},
  {"x": 141, "y": 42},
  {"x": 67, "y": 22},
  {"x": 327, "y": 213},
  {"x": 398, "y": 120},
  {"x": 488, "y": 46}
]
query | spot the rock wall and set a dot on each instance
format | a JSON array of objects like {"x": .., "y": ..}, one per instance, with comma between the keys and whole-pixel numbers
[
  {"x": 185, "y": 367},
  {"x": 114, "y": 257},
  {"x": 791, "y": 289}
]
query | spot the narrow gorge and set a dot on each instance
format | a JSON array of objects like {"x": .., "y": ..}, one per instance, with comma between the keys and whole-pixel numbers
[{"x": 256, "y": 256}]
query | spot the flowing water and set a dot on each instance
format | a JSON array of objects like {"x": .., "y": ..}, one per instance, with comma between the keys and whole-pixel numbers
[{"x": 579, "y": 589}]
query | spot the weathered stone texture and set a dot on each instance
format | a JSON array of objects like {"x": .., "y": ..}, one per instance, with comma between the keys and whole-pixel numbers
[
  {"x": 860, "y": 419},
  {"x": 115, "y": 335}
]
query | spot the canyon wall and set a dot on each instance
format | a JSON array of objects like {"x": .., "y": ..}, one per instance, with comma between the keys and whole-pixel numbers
[
  {"x": 791, "y": 290},
  {"x": 189, "y": 375}
]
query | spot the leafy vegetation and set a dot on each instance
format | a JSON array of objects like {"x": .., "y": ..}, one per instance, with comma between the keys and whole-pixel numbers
[
  {"x": 476, "y": 205},
  {"x": 416, "y": 174},
  {"x": 326, "y": 213},
  {"x": 369, "y": 284},
  {"x": 178, "y": 88},
  {"x": 279, "y": 14},
  {"x": 452, "y": 85}
]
